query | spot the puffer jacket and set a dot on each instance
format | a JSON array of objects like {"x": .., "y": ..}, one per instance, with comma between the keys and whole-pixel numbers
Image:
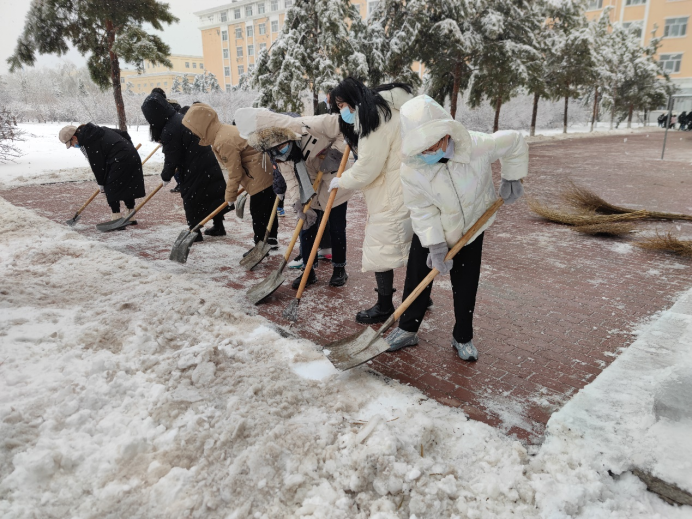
[
  {"x": 244, "y": 164},
  {"x": 388, "y": 229},
  {"x": 446, "y": 199}
]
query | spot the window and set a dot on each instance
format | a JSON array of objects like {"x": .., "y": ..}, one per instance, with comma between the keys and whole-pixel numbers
[
  {"x": 224, "y": 16},
  {"x": 187, "y": 64},
  {"x": 239, "y": 52},
  {"x": 675, "y": 27},
  {"x": 228, "y": 88},
  {"x": 634, "y": 27},
  {"x": 288, "y": 3},
  {"x": 248, "y": 10},
  {"x": 201, "y": 66},
  {"x": 158, "y": 84},
  {"x": 263, "y": 46},
  {"x": 194, "y": 65},
  {"x": 635, "y": 2},
  {"x": 224, "y": 35},
  {"x": 275, "y": 5},
  {"x": 250, "y": 31},
  {"x": 594, "y": 4},
  {"x": 227, "y": 71},
  {"x": 122, "y": 80},
  {"x": 671, "y": 62},
  {"x": 238, "y": 33},
  {"x": 165, "y": 83},
  {"x": 263, "y": 28},
  {"x": 260, "y": 8},
  {"x": 236, "y": 14},
  {"x": 275, "y": 26},
  {"x": 250, "y": 50},
  {"x": 225, "y": 53},
  {"x": 241, "y": 70}
]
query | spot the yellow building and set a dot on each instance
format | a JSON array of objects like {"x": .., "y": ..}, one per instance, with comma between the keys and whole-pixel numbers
[
  {"x": 670, "y": 19},
  {"x": 160, "y": 75}
]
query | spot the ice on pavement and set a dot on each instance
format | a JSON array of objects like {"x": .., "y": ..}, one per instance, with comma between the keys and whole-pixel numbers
[{"x": 127, "y": 390}]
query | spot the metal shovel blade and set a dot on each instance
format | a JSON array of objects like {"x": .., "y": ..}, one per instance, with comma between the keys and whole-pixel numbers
[
  {"x": 72, "y": 221},
  {"x": 240, "y": 206},
  {"x": 115, "y": 224},
  {"x": 257, "y": 254},
  {"x": 356, "y": 349},
  {"x": 268, "y": 286},
  {"x": 181, "y": 247}
]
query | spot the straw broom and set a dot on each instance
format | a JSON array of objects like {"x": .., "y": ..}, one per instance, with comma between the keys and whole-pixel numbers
[
  {"x": 606, "y": 229},
  {"x": 584, "y": 218},
  {"x": 667, "y": 242}
]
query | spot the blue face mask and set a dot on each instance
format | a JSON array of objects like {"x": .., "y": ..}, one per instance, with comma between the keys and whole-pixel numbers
[
  {"x": 432, "y": 158},
  {"x": 285, "y": 149},
  {"x": 76, "y": 146},
  {"x": 347, "y": 115}
]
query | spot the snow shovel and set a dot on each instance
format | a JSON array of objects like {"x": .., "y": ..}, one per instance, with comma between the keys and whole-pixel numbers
[
  {"x": 72, "y": 221},
  {"x": 240, "y": 206},
  {"x": 291, "y": 311},
  {"x": 361, "y": 347},
  {"x": 262, "y": 248},
  {"x": 181, "y": 247},
  {"x": 267, "y": 287}
]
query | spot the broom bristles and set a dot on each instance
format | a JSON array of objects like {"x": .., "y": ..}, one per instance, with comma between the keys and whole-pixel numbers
[
  {"x": 607, "y": 229},
  {"x": 583, "y": 218},
  {"x": 667, "y": 242}
]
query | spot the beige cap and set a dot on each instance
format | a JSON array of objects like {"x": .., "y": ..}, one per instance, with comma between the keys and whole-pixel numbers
[{"x": 66, "y": 134}]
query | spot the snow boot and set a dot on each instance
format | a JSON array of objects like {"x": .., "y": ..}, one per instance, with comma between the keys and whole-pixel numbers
[
  {"x": 216, "y": 230},
  {"x": 273, "y": 244},
  {"x": 399, "y": 339},
  {"x": 312, "y": 279},
  {"x": 384, "y": 306},
  {"x": 466, "y": 351},
  {"x": 339, "y": 277},
  {"x": 199, "y": 237},
  {"x": 296, "y": 263},
  {"x": 176, "y": 189}
]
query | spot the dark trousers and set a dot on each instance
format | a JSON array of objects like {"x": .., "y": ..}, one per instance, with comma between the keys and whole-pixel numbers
[
  {"x": 337, "y": 232},
  {"x": 115, "y": 205},
  {"x": 464, "y": 276},
  {"x": 261, "y": 205}
]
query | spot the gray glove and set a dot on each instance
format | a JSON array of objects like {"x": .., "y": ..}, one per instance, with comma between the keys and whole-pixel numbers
[
  {"x": 310, "y": 217},
  {"x": 102, "y": 189},
  {"x": 331, "y": 161},
  {"x": 436, "y": 258},
  {"x": 511, "y": 190}
]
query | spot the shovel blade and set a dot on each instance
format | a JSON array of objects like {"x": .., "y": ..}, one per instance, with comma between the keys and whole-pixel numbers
[
  {"x": 72, "y": 221},
  {"x": 356, "y": 349},
  {"x": 257, "y": 254},
  {"x": 291, "y": 311},
  {"x": 240, "y": 206},
  {"x": 181, "y": 247},
  {"x": 265, "y": 288},
  {"x": 114, "y": 225}
]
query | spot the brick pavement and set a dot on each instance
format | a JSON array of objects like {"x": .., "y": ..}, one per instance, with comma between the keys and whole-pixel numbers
[{"x": 554, "y": 307}]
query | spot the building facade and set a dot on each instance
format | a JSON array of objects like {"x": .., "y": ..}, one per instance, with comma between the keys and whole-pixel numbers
[{"x": 160, "y": 75}]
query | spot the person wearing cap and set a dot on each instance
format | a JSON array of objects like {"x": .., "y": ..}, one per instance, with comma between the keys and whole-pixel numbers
[
  {"x": 113, "y": 159},
  {"x": 448, "y": 184}
]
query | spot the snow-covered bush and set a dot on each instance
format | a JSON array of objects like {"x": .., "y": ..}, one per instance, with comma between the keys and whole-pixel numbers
[{"x": 9, "y": 135}]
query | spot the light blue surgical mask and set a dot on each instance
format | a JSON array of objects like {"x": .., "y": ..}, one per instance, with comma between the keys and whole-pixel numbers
[
  {"x": 285, "y": 149},
  {"x": 432, "y": 158},
  {"x": 76, "y": 146},
  {"x": 347, "y": 115}
]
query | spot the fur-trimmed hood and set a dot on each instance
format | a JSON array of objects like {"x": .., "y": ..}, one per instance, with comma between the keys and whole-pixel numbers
[{"x": 266, "y": 138}]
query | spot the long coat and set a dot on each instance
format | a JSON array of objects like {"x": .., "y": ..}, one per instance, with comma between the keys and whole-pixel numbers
[
  {"x": 114, "y": 161},
  {"x": 202, "y": 184}
]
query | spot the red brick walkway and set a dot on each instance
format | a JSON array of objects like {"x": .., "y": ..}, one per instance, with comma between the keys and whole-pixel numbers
[{"x": 554, "y": 308}]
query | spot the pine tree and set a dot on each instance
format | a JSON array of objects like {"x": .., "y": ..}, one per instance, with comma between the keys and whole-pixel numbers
[
  {"x": 177, "y": 86},
  {"x": 106, "y": 30},
  {"x": 185, "y": 86},
  {"x": 212, "y": 82},
  {"x": 199, "y": 84}
]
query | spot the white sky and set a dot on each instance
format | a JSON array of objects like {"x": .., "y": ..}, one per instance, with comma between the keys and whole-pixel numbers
[{"x": 183, "y": 37}]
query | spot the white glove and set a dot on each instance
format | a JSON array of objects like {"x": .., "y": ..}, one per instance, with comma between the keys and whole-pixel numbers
[
  {"x": 334, "y": 184},
  {"x": 281, "y": 197},
  {"x": 166, "y": 182},
  {"x": 102, "y": 189},
  {"x": 231, "y": 205}
]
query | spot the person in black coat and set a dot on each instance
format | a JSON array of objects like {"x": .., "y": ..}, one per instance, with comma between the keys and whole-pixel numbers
[
  {"x": 113, "y": 159},
  {"x": 202, "y": 185}
]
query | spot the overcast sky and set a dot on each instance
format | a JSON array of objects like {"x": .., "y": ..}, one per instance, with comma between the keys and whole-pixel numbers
[{"x": 183, "y": 37}]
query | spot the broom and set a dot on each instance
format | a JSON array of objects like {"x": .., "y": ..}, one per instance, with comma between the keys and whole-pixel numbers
[
  {"x": 581, "y": 219},
  {"x": 606, "y": 229},
  {"x": 667, "y": 242}
]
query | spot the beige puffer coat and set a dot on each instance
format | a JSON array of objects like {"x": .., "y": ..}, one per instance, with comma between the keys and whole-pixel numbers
[
  {"x": 388, "y": 229},
  {"x": 447, "y": 199}
]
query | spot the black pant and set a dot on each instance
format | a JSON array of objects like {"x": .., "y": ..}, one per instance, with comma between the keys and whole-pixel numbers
[
  {"x": 337, "y": 232},
  {"x": 464, "y": 276},
  {"x": 115, "y": 205},
  {"x": 261, "y": 205}
]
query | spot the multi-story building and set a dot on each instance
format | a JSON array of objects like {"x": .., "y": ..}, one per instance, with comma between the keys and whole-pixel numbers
[
  {"x": 670, "y": 19},
  {"x": 160, "y": 75}
]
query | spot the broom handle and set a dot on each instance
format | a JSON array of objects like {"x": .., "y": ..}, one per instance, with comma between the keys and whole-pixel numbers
[
  {"x": 299, "y": 226},
  {"x": 149, "y": 156},
  {"x": 216, "y": 211},
  {"x": 323, "y": 225},
  {"x": 434, "y": 272}
]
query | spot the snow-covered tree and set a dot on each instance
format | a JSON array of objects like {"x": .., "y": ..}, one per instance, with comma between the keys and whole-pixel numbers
[
  {"x": 212, "y": 82},
  {"x": 185, "y": 86},
  {"x": 177, "y": 87},
  {"x": 313, "y": 53},
  {"x": 9, "y": 135},
  {"x": 199, "y": 84},
  {"x": 537, "y": 70}
]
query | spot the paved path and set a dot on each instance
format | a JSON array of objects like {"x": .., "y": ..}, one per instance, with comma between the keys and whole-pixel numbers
[{"x": 554, "y": 308}]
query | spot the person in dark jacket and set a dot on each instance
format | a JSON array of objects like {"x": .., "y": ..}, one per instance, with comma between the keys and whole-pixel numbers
[
  {"x": 113, "y": 160},
  {"x": 202, "y": 185}
]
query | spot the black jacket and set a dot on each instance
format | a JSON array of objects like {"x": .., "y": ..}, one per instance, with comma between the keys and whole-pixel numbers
[
  {"x": 202, "y": 185},
  {"x": 114, "y": 161}
]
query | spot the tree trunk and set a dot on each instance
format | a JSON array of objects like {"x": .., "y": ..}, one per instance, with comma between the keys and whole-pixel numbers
[
  {"x": 595, "y": 107},
  {"x": 455, "y": 89},
  {"x": 315, "y": 100},
  {"x": 498, "y": 105},
  {"x": 564, "y": 121},
  {"x": 534, "y": 114},
  {"x": 629, "y": 116},
  {"x": 115, "y": 77}
]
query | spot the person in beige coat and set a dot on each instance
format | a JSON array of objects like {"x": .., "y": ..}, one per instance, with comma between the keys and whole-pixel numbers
[
  {"x": 369, "y": 120},
  {"x": 245, "y": 166}
]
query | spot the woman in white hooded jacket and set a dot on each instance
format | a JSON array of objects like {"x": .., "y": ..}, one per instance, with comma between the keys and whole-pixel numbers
[
  {"x": 448, "y": 185},
  {"x": 370, "y": 124}
]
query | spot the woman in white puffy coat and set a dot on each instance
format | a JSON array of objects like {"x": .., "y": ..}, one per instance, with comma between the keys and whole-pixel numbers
[
  {"x": 448, "y": 185},
  {"x": 370, "y": 124}
]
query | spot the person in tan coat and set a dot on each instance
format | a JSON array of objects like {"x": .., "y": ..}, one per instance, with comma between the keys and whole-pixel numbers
[{"x": 245, "y": 165}]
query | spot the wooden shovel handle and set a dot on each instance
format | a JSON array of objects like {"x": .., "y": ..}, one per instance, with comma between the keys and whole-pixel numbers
[
  {"x": 457, "y": 247},
  {"x": 272, "y": 218},
  {"x": 141, "y": 204},
  {"x": 212, "y": 215},
  {"x": 91, "y": 198},
  {"x": 149, "y": 156},
  {"x": 299, "y": 226},
  {"x": 138, "y": 146},
  {"x": 323, "y": 225}
]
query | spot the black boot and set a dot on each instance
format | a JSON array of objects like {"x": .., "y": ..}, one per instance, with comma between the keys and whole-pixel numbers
[
  {"x": 312, "y": 279},
  {"x": 199, "y": 237},
  {"x": 248, "y": 252},
  {"x": 384, "y": 306},
  {"x": 217, "y": 229},
  {"x": 339, "y": 277},
  {"x": 176, "y": 189}
]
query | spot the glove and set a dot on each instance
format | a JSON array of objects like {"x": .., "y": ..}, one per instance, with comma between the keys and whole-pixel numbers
[
  {"x": 511, "y": 190},
  {"x": 102, "y": 189},
  {"x": 231, "y": 206},
  {"x": 331, "y": 161},
  {"x": 166, "y": 182},
  {"x": 281, "y": 196},
  {"x": 310, "y": 216},
  {"x": 436, "y": 258},
  {"x": 334, "y": 184}
]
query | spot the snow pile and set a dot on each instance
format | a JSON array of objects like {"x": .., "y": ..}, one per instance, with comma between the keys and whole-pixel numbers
[{"x": 128, "y": 390}]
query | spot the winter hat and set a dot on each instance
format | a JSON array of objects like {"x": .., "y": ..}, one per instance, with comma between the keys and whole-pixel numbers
[
  {"x": 157, "y": 111},
  {"x": 66, "y": 135}
]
